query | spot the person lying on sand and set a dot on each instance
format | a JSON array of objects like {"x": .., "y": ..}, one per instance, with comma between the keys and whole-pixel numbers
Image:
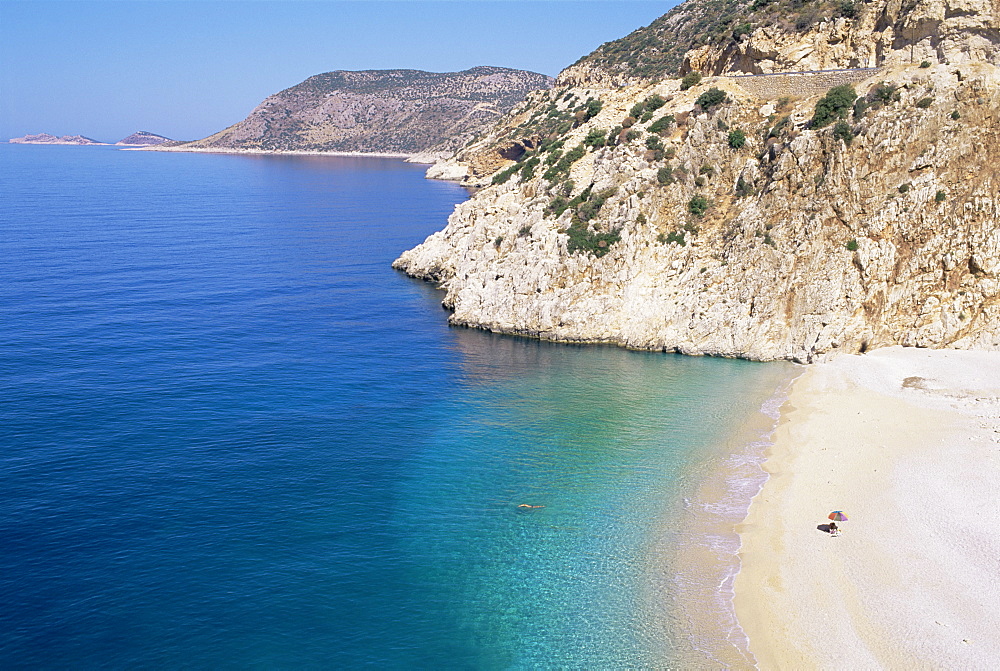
[{"x": 834, "y": 529}]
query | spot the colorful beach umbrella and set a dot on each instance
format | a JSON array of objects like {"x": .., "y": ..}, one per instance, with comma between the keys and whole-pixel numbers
[{"x": 837, "y": 516}]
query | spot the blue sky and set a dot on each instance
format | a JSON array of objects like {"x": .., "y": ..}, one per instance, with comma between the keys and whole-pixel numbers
[{"x": 188, "y": 69}]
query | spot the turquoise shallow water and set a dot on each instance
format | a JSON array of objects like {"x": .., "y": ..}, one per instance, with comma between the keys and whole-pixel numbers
[{"x": 234, "y": 437}]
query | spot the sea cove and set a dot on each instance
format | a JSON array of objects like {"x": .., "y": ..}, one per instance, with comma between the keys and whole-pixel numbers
[{"x": 235, "y": 436}]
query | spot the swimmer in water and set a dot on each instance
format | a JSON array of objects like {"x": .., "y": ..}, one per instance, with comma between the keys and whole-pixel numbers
[{"x": 525, "y": 505}]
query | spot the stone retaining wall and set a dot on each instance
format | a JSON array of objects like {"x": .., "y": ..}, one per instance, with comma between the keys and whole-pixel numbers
[{"x": 800, "y": 84}]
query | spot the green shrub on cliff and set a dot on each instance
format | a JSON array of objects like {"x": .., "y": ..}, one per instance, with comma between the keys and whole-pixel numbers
[
  {"x": 595, "y": 201},
  {"x": 654, "y": 102},
  {"x": 711, "y": 98},
  {"x": 883, "y": 93},
  {"x": 528, "y": 169},
  {"x": 591, "y": 108},
  {"x": 596, "y": 138},
  {"x": 525, "y": 167},
  {"x": 690, "y": 79},
  {"x": 860, "y": 107},
  {"x": 583, "y": 239},
  {"x": 834, "y": 105},
  {"x": 737, "y": 139},
  {"x": 743, "y": 188},
  {"x": 843, "y": 132},
  {"x": 581, "y": 197},
  {"x": 848, "y": 9},
  {"x": 563, "y": 165},
  {"x": 742, "y": 29},
  {"x": 782, "y": 124},
  {"x": 675, "y": 237},
  {"x": 506, "y": 174},
  {"x": 661, "y": 124},
  {"x": 551, "y": 145},
  {"x": 698, "y": 205},
  {"x": 643, "y": 111},
  {"x": 573, "y": 155},
  {"x": 556, "y": 206},
  {"x": 585, "y": 205}
]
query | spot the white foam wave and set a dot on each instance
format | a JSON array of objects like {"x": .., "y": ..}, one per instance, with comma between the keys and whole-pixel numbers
[{"x": 744, "y": 478}]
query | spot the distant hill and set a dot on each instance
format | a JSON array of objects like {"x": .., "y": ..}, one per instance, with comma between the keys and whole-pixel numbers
[
  {"x": 379, "y": 111},
  {"x": 45, "y": 138},
  {"x": 143, "y": 138}
]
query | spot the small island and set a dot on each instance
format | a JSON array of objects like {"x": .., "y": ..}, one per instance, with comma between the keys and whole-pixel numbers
[
  {"x": 142, "y": 138},
  {"x": 45, "y": 138}
]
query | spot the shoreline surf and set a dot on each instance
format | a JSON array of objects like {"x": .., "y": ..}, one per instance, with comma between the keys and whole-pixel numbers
[{"x": 705, "y": 561}]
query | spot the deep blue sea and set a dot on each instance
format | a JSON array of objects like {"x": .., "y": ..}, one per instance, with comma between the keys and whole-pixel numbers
[{"x": 233, "y": 437}]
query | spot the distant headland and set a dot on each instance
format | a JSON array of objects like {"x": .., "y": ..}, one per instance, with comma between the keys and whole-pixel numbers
[{"x": 377, "y": 112}]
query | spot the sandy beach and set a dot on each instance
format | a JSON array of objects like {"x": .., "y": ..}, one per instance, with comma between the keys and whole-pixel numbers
[{"x": 907, "y": 443}]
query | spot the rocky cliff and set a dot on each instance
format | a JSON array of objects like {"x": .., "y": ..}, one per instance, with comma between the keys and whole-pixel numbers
[
  {"x": 379, "y": 111},
  {"x": 758, "y": 217},
  {"x": 724, "y": 36}
]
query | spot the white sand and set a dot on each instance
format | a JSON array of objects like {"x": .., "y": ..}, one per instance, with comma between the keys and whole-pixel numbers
[{"x": 907, "y": 443}]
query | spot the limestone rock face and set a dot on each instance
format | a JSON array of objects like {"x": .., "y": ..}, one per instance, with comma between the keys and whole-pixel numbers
[
  {"x": 725, "y": 36},
  {"x": 809, "y": 243},
  {"x": 946, "y": 31}
]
